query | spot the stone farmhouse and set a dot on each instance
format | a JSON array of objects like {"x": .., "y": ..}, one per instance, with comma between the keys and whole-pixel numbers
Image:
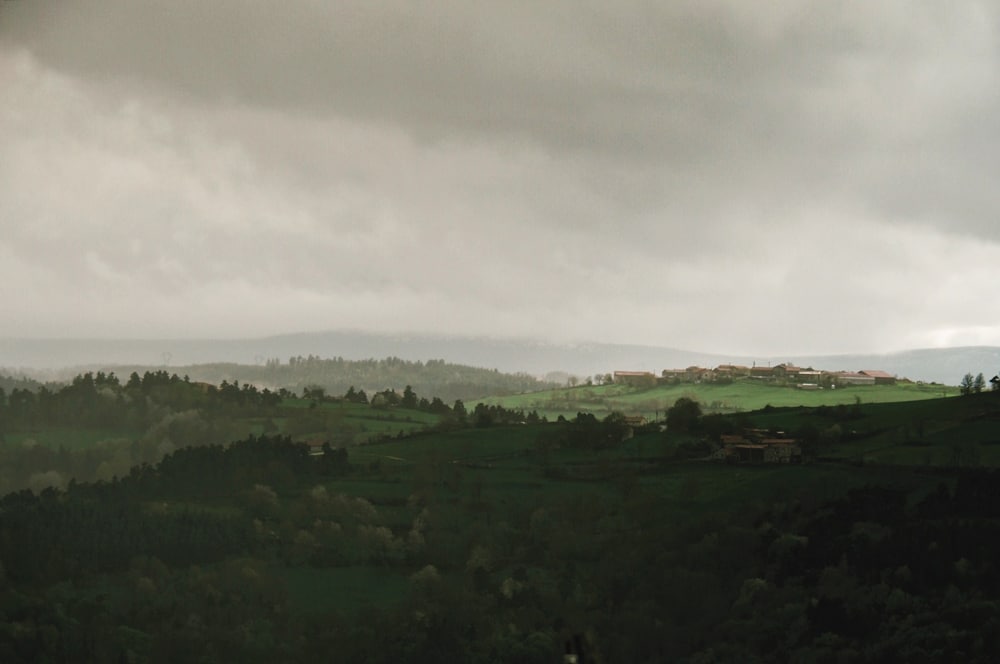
[
  {"x": 881, "y": 377},
  {"x": 758, "y": 446},
  {"x": 787, "y": 374},
  {"x": 635, "y": 378}
]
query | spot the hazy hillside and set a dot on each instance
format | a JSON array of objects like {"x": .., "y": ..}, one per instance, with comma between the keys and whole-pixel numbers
[
  {"x": 8, "y": 383},
  {"x": 508, "y": 355},
  {"x": 433, "y": 378},
  {"x": 511, "y": 355}
]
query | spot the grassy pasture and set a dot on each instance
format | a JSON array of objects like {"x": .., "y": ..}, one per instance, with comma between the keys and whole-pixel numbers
[
  {"x": 932, "y": 432},
  {"x": 360, "y": 411},
  {"x": 511, "y": 489},
  {"x": 70, "y": 438},
  {"x": 357, "y": 423},
  {"x": 741, "y": 395},
  {"x": 512, "y": 473}
]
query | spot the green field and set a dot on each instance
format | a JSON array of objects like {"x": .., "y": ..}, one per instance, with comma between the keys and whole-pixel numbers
[
  {"x": 512, "y": 473},
  {"x": 934, "y": 432},
  {"x": 350, "y": 423},
  {"x": 70, "y": 438},
  {"x": 739, "y": 396}
]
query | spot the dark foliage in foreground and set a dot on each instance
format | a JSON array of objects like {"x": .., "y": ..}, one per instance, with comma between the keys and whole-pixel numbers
[{"x": 183, "y": 561}]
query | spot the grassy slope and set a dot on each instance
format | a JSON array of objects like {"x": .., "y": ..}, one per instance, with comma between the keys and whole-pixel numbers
[
  {"x": 516, "y": 488},
  {"x": 69, "y": 437},
  {"x": 742, "y": 395},
  {"x": 926, "y": 433},
  {"x": 367, "y": 424},
  {"x": 476, "y": 480}
]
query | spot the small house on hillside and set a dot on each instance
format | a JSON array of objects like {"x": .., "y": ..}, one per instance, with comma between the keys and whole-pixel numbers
[
  {"x": 781, "y": 450},
  {"x": 744, "y": 453},
  {"x": 853, "y": 378},
  {"x": 635, "y": 378},
  {"x": 697, "y": 374},
  {"x": 756, "y": 446},
  {"x": 881, "y": 377},
  {"x": 674, "y": 375},
  {"x": 635, "y": 420},
  {"x": 316, "y": 446},
  {"x": 785, "y": 371}
]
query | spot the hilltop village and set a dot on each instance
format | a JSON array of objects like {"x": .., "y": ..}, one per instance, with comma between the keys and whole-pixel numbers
[
  {"x": 758, "y": 445},
  {"x": 803, "y": 378}
]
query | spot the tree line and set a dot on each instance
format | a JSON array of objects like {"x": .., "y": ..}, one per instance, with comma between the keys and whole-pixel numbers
[
  {"x": 145, "y": 418},
  {"x": 446, "y": 380},
  {"x": 976, "y": 384}
]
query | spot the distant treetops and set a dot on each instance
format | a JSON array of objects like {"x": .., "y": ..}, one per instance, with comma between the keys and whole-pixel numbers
[{"x": 975, "y": 385}]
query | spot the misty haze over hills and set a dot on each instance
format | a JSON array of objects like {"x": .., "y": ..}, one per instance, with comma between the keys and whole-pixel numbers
[
  {"x": 60, "y": 358},
  {"x": 356, "y": 164}
]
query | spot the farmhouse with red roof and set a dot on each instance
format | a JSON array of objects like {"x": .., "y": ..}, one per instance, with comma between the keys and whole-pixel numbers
[{"x": 881, "y": 377}]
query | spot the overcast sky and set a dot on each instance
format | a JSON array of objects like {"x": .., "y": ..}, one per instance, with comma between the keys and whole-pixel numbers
[{"x": 717, "y": 175}]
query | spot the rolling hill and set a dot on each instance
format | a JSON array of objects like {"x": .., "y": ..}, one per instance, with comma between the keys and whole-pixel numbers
[{"x": 63, "y": 358}]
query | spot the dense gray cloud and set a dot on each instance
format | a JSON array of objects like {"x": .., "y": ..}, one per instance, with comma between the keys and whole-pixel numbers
[{"x": 807, "y": 177}]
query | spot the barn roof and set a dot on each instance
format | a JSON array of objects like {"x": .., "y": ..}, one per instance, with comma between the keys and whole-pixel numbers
[{"x": 875, "y": 373}]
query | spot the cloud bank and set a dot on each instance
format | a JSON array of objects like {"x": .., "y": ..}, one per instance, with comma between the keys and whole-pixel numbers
[{"x": 804, "y": 178}]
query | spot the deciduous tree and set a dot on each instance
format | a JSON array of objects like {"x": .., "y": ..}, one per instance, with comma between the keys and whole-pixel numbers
[{"x": 683, "y": 415}]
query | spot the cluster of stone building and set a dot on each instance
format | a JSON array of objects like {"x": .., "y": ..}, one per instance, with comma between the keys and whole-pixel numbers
[
  {"x": 787, "y": 374},
  {"x": 759, "y": 446}
]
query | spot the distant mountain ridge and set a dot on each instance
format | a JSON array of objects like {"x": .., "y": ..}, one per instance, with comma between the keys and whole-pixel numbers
[{"x": 52, "y": 358}]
